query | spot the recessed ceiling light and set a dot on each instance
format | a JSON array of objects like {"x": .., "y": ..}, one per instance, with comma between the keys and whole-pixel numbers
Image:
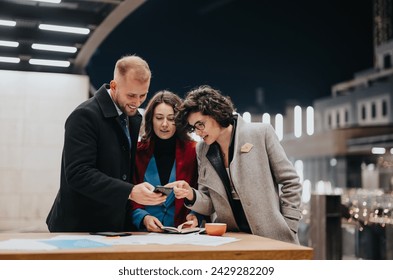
[
  {"x": 9, "y": 59},
  {"x": 48, "y": 1},
  {"x": 378, "y": 150},
  {"x": 47, "y": 62},
  {"x": 12, "y": 44},
  {"x": 68, "y": 29},
  {"x": 7, "y": 22},
  {"x": 54, "y": 48}
]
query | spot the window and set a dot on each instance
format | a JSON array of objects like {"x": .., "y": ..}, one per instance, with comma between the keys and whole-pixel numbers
[
  {"x": 363, "y": 112},
  {"x": 329, "y": 120},
  {"x": 346, "y": 116},
  {"x": 387, "y": 61},
  {"x": 384, "y": 108},
  {"x": 373, "y": 110}
]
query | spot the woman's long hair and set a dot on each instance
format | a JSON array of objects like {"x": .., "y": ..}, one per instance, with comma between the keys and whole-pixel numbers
[{"x": 169, "y": 98}]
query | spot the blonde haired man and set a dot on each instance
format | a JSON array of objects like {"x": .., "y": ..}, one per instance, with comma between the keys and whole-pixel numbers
[{"x": 99, "y": 154}]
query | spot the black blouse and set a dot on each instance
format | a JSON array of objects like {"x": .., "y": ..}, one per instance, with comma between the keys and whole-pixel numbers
[{"x": 164, "y": 153}]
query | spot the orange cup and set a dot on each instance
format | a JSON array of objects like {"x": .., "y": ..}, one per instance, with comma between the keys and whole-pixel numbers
[{"x": 215, "y": 229}]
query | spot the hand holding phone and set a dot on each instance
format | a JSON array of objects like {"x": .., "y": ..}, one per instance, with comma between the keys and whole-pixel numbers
[{"x": 163, "y": 190}]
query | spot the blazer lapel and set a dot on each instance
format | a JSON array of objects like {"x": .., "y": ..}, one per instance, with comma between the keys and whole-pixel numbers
[{"x": 213, "y": 155}]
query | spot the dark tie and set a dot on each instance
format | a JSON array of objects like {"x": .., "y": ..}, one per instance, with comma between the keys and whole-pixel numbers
[{"x": 124, "y": 125}]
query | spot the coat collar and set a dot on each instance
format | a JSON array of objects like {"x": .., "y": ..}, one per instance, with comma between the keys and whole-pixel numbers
[
  {"x": 241, "y": 138},
  {"x": 106, "y": 103}
]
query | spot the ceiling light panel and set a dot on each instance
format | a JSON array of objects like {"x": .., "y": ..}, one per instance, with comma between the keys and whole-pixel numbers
[
  {"x": 7, "y": 22},
  {"x": 20, "y": 23},
  {"x": 47, "y": 62},
  {"x": 9, "y": 59},
  {"x": 48, "y": 1},
  {"x": 11, "y": 44},
  {"x": 67, "y": 29},
  {"x": 54, "y": 48}
]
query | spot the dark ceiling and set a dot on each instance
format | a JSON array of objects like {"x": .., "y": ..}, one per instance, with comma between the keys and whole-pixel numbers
[
  {"x": 291, "y": 50},
  {"x": 100, "y": 16}
]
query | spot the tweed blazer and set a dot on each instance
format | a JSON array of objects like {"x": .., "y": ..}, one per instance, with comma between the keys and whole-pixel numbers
[{"x": 265, "y": 180}]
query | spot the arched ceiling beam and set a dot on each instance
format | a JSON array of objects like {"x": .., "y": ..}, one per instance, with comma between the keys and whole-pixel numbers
[{"x": 102, "y": 31}]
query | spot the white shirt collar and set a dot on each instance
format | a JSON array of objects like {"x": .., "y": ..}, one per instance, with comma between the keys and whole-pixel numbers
[{"x": 117, "y": 108}]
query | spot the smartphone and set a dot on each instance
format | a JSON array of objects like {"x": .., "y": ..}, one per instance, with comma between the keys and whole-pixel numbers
[
  {"x": 111, "y": 233},
  {"x": 163, "y": 190}
]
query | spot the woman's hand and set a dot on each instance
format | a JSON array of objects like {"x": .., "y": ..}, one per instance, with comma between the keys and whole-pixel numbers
[
  {"x": 192, "y": 218},
  {"x": 152, "y": 224},
  {"x": 181, "y": 189}
]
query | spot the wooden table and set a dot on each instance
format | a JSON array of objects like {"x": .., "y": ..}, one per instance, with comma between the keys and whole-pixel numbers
[{"x": 249, "y": 247}]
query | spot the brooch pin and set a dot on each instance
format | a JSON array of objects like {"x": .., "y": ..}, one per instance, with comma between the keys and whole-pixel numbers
[{"x": 246, "y": 147}]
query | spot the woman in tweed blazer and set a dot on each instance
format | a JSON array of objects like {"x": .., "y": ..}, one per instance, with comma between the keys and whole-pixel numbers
[{"x": 245, "y": 178}]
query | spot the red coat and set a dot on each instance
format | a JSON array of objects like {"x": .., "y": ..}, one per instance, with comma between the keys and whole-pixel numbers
[{"x": 186, "y": 169}]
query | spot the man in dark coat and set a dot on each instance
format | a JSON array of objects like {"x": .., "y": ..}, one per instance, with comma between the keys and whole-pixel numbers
[{"x": 98, "y": 157}]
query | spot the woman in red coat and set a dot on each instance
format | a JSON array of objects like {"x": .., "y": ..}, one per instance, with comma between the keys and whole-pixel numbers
[{"x": 164, "y": 154}]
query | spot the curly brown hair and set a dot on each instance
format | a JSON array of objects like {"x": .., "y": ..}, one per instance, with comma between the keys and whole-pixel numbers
[
  {"x": 209, "y": 102},
  {"x": 169, "y": 98}
]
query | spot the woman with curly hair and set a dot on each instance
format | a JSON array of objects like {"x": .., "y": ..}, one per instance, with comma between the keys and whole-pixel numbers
[{"x": 245, "y": 178}]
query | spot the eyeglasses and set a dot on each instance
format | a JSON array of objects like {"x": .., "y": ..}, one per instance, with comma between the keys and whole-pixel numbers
[{"x": 199, "y": 125}]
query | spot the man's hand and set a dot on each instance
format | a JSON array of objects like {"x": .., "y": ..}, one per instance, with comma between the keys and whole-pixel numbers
[{"x": 143, "y": 194}]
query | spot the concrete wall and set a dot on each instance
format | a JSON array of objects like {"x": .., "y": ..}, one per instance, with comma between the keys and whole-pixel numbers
[{"x": 33, "y": 109}]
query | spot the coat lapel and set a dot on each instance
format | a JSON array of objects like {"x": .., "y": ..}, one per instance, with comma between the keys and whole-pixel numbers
[
  {"x": 106, "y": 104},
  {"x": 213, "y": 155}
]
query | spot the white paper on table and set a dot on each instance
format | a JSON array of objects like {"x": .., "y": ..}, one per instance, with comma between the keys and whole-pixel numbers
[
  {"x": 79, "y": 236},
  {"x": 156, "y": 238},
  {"x": 151, "y": 238},
  {"x": 189, "y": 239},
  {"x": 207, "y": 240},
  {"x": 25, "y": 244},
  {"x": 122, "y": 240}
]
